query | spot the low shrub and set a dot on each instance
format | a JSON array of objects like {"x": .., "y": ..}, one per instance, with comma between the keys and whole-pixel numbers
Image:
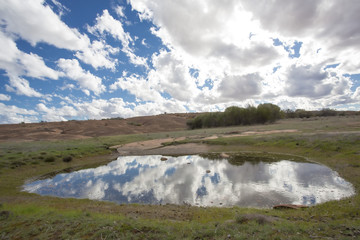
[
  {"x": 49, "y": 159},
  {"x": 16, "y": 164},
  {"x": 67, "y": 159}
]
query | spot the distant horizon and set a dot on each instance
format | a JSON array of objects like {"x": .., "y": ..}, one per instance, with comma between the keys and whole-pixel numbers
[
  {"x": 80, "y": 60},
  {"x": 165, "y": 113}
]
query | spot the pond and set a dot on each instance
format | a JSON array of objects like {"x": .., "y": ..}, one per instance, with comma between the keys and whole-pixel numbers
[{"x": 200, "y": 181}]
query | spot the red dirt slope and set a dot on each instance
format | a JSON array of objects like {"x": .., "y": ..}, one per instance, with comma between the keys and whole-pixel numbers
[{"x": 93, "y": 128}]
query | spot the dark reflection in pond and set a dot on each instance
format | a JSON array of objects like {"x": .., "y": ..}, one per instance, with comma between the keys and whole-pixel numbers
[{"x": 198, "y": 181}]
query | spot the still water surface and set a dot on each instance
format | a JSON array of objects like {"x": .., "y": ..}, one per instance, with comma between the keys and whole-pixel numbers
[{"x": 199, "y": 181}]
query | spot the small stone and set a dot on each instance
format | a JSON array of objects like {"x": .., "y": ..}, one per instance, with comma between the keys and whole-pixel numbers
[
  {"x": 224, "y": 155},
  {"x": 163, "y": 159},
  {"x": 208, "y": 171}
]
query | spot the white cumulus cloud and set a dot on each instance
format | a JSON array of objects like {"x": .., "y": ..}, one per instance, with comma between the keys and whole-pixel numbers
[
  {"x": 53, "y": 114},
  {"x": 86, "y": 80},
  {"x": 4, "y": 97},
  {"x": 36, "y": 22},
  {"x": 232, "y": 46},
  {"x": 21, "y": 87},
  {"x": 105, "y": 23},
  {"x": 13, "y": 114}
]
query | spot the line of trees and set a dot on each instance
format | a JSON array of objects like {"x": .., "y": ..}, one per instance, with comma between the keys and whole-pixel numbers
[
  {"x": 301, "y": 113},
  {"x": 264, "y": 113}
]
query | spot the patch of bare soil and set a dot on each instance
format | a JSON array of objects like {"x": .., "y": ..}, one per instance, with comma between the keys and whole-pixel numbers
[
  {"x": 156, "y": 147},
  {"x": 149, "y": 144},
  {"x": 250, "y": 133},
  {"x": 93, "y": 128}
]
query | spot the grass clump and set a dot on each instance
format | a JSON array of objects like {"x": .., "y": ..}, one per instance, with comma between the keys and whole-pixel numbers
[
  {"x": 135, "y": 124},
  {"x": 49, "y": 159},
  {"x": 258, "y": 218},
  {"x": 67, "y": 159},
  {"x": 17, "y": 164}
]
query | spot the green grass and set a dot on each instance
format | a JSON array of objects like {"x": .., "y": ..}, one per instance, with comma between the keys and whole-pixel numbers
[
  {"x": 30, "y": 216},
  {"x": 16, "y": 154}
]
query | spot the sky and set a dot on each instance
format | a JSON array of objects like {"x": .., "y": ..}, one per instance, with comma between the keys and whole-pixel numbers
[{"x": 86, "y": 59}]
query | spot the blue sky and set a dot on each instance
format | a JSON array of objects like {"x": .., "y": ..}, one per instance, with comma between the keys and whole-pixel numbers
[{"x": 87, "y": 59}]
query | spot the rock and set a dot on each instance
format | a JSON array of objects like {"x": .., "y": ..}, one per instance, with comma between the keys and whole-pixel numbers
[
  {"x": 163, "y": 159},
  {"x": 289, "y": 206},
  {"x": 224, "y": 155},
  {"x": 208, "y": 171}
]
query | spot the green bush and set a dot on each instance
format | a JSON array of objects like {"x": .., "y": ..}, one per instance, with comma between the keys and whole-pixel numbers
[
  {"x": 267, "y": 112},
  {"x": 326, "y": 112}
]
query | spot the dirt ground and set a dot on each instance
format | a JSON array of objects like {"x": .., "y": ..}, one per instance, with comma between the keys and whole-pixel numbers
[
  {"x": 93, "y": 128},
  {"x": 156, "y": 147}
]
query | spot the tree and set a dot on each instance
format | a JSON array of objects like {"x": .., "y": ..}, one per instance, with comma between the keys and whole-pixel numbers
[
  {"x": 268, "y": 112},
  {"x": 290, "y": 113},
  {"x": 232, "y": 116},
  {"x": 325, "y": 112},
  {"x": 303, "y": 113}
]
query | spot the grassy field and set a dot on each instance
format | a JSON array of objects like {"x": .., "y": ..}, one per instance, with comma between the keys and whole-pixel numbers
[{"x": 332, "y": 141}]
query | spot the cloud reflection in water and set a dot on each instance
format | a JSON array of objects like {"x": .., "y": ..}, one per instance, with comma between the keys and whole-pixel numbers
[{"x": 184, "y": 179}]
